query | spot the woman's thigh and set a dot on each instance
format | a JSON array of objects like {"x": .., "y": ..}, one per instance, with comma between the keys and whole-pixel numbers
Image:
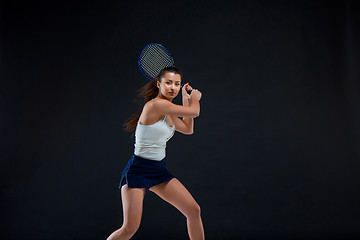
[
  {"x": 132, "y": 201},
  {"x": 175, "y": 193}
]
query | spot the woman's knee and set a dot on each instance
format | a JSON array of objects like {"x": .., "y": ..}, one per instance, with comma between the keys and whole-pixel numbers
[
  {"x": 130, "y": 229},
  {"x": 126, "y": 231},
  {"x": 193, "y": 211}
]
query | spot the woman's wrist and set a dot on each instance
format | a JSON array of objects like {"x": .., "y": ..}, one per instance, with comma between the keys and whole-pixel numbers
[{"x": 186, "y": 101}]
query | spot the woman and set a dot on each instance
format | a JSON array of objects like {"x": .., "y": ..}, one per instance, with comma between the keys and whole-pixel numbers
[{"x": 154, "y": 125}]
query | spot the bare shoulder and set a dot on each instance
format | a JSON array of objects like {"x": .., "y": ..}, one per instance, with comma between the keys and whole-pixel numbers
[
  {"x": 165, "y": 107},
  {"x": 151, "y": 103},
  {"x": 158, "y": 103},
  {"x": 149, "y": 115}
]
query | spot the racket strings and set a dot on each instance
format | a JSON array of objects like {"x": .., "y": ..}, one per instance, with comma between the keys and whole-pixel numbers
[{"x": 153, "y": 59}]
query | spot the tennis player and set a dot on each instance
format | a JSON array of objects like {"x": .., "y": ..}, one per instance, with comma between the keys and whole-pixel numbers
[{"x": 154, "y": 125}]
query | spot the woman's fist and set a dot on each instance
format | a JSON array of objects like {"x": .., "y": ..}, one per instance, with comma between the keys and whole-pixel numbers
[{"x": 195, "y": 94}]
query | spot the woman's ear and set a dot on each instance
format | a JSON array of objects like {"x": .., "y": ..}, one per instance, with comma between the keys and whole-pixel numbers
[{"x": 158, "y": 84}]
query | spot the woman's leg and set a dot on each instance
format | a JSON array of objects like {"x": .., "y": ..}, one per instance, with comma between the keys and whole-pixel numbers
[
  {"x": 177, "y": 195},
  {"x": 132, "y": 201}
]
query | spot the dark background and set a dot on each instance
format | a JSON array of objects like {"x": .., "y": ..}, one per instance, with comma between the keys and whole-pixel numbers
[{"x": 276, "y": 149}]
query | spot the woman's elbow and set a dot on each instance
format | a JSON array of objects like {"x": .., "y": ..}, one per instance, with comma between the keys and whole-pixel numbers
[
  {"x": 196, "y": 114},
  {"x": 189, "y": 132}
]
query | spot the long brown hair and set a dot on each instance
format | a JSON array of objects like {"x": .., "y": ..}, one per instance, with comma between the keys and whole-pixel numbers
[{"x": 147, "y": 93}]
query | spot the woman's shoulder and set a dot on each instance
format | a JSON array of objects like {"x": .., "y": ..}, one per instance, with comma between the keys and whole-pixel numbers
[
  {"x": 155, "y": 102},
  {"x": 150, "y": 103},
  {"x": 150, "y": 113}
]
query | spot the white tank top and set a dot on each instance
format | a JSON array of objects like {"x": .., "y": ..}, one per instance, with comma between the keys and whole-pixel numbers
[{"x": 150, "y": 140}]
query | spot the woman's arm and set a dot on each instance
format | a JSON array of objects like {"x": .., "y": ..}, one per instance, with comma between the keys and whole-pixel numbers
[
  {"x": 189, "y": 122},
  {"x": 166, "y": 107},
  {"x": 186, "y": 124},
  {"x": 181, "y": 126}
]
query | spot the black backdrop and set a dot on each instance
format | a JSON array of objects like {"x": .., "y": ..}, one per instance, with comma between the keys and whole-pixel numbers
[{"x": 276, "y": 148}]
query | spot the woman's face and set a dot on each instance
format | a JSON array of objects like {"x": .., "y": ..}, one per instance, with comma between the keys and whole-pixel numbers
[{"x": 169, "y": 86}]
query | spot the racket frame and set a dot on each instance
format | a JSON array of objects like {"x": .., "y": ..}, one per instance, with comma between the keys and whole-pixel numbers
[{"x": 158, "y": 44}]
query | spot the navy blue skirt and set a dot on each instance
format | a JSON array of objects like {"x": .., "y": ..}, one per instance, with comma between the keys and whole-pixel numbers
[{"x": 144, "y": 173}]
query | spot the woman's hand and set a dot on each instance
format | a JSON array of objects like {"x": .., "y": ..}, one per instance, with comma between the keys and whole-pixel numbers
[
  {"x": 185, "y": 94},
  {"x": 196, "y": 94},
  {"x": 185, "y": 90}
]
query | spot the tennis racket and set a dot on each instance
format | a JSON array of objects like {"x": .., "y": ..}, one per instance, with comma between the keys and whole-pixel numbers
[{"x": 153, "y": 58}]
